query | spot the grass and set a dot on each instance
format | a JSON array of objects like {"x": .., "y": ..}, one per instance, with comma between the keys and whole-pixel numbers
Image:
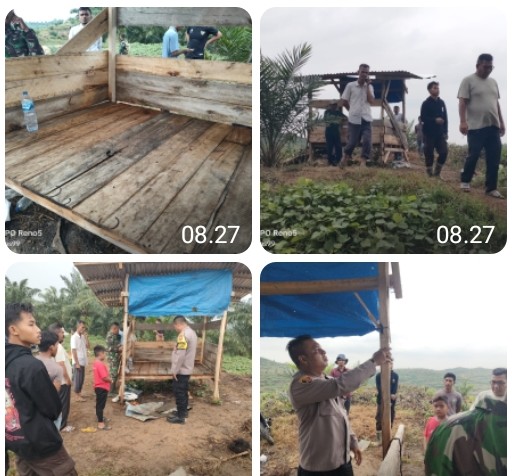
[{"x": 237, "y": 365}]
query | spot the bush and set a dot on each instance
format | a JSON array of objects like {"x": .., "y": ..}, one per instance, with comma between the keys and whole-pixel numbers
[{"x": 385, "y": 215}]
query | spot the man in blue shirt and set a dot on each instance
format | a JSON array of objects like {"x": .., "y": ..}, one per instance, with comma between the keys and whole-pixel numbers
[{"x": 171, "y": 45}]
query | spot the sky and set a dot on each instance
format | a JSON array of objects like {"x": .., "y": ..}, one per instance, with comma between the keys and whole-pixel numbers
[
  {"x": 39, "y": 12},
  {"x": 448, "y": 317},
  {"x": 41, "y": 275},
  {"x": 444, "y": 42}
]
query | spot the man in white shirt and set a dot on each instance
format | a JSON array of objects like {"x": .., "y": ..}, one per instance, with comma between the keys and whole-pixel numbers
[
  {"x": 85, "y": 16},
  {"x": 358, "y": 97},
  {"x": 65, "y": 390},
  {"x": 79, "y": 359}
]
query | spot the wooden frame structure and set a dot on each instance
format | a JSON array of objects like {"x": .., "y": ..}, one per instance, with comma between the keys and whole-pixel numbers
[
  {"x": 387, "y": 134},
  {"x": 134, "y": 149},
  {"x": 388, "y": 278},
  {"x": 152, "y": 360}
]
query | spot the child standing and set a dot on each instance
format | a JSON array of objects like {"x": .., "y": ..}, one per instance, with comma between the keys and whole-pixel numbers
[
  {"x": 440, "y": 403},
  {"x": 102, "y": 383}
]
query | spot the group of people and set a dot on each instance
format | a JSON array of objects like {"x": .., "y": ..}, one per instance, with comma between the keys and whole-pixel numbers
[
  {"x": 38, "y": 388},
  {"x": 326, "y": 439},
  {"x": 197, "y": 38},
  {"x": 480, "y": 118}
]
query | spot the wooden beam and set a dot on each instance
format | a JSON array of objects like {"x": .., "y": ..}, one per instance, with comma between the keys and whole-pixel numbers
[
  {"x": 396, "y": 282},
  {"x": 125, "y": 337},
  {"x": 112, "y": 37},
  {"x": 315, "y": 287},
  {"x": 218, "y": 361},
  {"x": 203, "y": 338},
  {"x": 391, "y": 464},
  {"x": 385, "y": 369},
  {"x": 97, "y": 27},
  {"x": 185, "y": 16}
]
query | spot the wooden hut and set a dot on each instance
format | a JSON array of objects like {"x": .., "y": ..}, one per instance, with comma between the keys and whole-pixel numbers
[
  {"x": 388, "y": 135},
  {"x": 332, "y": 300},
  {"x": 151, "y": 361},
  {"x": 137, "y": 149}
]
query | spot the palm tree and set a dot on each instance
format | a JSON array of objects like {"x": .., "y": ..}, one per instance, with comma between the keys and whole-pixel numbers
[
  {"x": 19, "y": 292},
  {"x": 283, "y": 101}
]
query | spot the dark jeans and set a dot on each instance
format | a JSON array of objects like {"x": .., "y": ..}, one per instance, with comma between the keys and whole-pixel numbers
[
  {"x": 343, "y": 470},
  {"x": 101, "y": 401},
  {"x": 333, "y": 140},
  {"x": 78, "y": 379},
  {"x": 435, "y": 143},
  {"x": 180, "y": 389},
  {"x": 488, "y": 139},
  {"x": 378, "y": 417},
  {"x": 346, "y": 403},
  {"x": 65, "y": 399},
  {"x": 359, "y": 132},
  {"x": 58, "y": 464}
]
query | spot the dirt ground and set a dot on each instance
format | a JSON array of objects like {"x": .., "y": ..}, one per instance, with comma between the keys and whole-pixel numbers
[
  {"x": 319, "y": 170},
  {"x": 156, "y": 447},
  {"x": 283, "y": 457},
  {"x": 36, "y": 231}
]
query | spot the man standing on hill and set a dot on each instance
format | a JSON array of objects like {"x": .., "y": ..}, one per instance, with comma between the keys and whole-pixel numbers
[
  {"x": 183, "y": 358},
  {"x": 171, "y": 44},
  {"x": 435, "y": 130},
  {"x": 358, "y": 97},
  {"x": 325, "y": 436},
  {"x": 393, "y": 396},
  {"x": 84, "y": 17},
  {"x": 498, "y": 389},
  {"x": 198, "y": 38},
  {"x": 482, "y": 122},
  {"x": 454, "y": 398}
]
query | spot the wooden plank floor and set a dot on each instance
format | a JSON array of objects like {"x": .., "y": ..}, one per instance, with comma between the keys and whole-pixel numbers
[{"x": 136, "y": 176}]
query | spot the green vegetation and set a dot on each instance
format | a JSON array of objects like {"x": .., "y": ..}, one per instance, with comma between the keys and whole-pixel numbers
[
  {"x": 283, "y": 101},
  {"x": 380, "y": 213},
  {"x": 237, "y": 365}
]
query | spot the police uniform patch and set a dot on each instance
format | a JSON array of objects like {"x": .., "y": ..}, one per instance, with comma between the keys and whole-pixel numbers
[
  {"x": 305, "y": 379},
  {"x": 182, "y": 343}
]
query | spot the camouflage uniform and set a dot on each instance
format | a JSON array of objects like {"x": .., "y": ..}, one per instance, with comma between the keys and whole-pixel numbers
[
  {"x": 124, "y": 47},
  {"x": 21, "y": 43},
  {"x": 472, "y": 443},
  {"x": 114, "y": 357}
]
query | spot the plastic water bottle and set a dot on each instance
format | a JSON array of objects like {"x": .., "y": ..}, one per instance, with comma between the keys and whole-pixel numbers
[
  {"x": 23, "y": 203},
  {"x": 29, "y": 111}
]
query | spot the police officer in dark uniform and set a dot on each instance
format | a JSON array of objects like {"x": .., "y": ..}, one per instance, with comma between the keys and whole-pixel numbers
[{"x": 198, "y": 38}]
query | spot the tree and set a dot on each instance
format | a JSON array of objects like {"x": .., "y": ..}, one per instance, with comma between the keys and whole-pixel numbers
[
  {"x": 283, "y": 101},
  {"x": 19, "y": 292},
  {"x": 234, "y": 45}
]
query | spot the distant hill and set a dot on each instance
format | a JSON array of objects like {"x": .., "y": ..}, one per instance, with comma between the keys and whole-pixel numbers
[{"x": 275, "y": 376}]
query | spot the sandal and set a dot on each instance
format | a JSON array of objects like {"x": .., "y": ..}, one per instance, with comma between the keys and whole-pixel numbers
[
  {"x": 105, "y": 428},
  {"x": 68, "y": 429}
]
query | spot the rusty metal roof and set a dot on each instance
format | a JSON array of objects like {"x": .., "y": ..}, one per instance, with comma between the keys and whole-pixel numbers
[
  {"x": 107, "y": 280},
  {"x": 399, "y": 74}
]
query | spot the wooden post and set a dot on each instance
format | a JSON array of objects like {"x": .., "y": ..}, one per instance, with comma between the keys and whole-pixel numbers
[
  {"x": 391, "y": 464},
  {"x": 310, "y": 118},
  {"x": 218, "y": 361},
  {"x": 125, "y": 338},
  {"x": 112, "y": 36},
  {"x": 203, "y": 338},
  {"x": 385, "y": 341}
]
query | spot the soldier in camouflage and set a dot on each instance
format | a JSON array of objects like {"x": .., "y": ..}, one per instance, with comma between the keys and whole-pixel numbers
[
  {"x": 472, "y": 443},
  {"x": 20, "y": 40},
  {"x": 114, "y": 348}
]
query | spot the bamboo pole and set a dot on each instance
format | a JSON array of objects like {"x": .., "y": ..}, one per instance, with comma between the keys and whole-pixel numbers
[
  {"x": 385, "y": 369},
  {"x": 112, "y": 36},
  {"x": 218, "y": 361},
  {"x": 391, "y": 464},
  {"x": 124, "y": 295},
  {"x": 203, "y": 338}
]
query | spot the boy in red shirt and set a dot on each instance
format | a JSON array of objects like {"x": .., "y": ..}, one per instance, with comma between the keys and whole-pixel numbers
[
  {"x": 102, "y": 383},
  {"x": 441, "y": 414}
]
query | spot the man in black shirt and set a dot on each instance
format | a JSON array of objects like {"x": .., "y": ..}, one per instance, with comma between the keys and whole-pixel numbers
[
  {"x": 198, "y": 38},
  {"x": 435, "y": 130},
  {"x": 332, "y": 118}
]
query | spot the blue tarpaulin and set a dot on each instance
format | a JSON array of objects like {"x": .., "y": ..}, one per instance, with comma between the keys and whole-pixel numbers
[
  {"x": 196, "y": 293},
  {"x": 320, "y": 315}
]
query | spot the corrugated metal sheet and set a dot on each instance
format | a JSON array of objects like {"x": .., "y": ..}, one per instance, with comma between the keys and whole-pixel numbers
[
  {"x": 106, "y": 280},
  {"x": 398, "y": 74}
]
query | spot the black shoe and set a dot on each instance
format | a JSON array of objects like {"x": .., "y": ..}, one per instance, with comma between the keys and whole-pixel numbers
[
  {"x": 176, "y": 419},
  {"x": 175, "y": 413}
]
